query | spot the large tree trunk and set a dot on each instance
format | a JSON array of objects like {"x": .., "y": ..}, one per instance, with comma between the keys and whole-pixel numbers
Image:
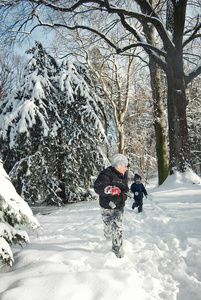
[
  {"x": 159, "y": 122},
  {"x": 178, "y": 131}
]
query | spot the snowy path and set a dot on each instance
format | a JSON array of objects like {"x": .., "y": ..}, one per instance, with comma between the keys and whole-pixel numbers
[{"x": 71, "y": 260}]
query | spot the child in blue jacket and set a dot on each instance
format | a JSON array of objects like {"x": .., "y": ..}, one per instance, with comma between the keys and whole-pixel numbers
[{"x": 138, "y": 189}]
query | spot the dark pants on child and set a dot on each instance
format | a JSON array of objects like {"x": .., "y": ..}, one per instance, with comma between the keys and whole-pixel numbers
[
  {"x": 112, "y": 219},
  {"x": 139, "y": 204}
]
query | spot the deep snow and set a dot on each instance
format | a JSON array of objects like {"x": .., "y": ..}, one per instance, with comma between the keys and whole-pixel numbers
[{"x": 71, "y": 260}]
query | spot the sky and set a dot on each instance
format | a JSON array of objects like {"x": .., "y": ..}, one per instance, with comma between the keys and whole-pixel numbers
[
  {"x": 39, "y": 34},
  {"x": 70, "y": 259}
]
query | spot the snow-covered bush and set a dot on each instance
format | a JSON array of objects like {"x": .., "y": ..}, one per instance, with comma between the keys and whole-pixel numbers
[
  {"x": 52, "y": 138},
  {"x": 13, "y": 211}
]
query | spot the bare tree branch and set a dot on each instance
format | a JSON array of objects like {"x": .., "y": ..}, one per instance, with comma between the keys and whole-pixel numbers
[
  {"x": 193, "y": 74},
  {"x": 193, "y": 36},
  {"x": 146, "y": 46},
  {"x": 152, "y": 17}
]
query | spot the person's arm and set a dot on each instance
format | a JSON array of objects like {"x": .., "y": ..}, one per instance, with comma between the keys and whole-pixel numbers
[
  {"x": 101, "y": 183},
  {"x": 144, "y": 190},
  {"x": 132, "y": 188}
]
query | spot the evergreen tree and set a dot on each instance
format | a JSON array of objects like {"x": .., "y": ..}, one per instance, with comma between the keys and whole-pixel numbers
[
  {"x": 14, "y": 211},
  {"x": 52, "y": 136},
  {"x": 194, "y": 124}
]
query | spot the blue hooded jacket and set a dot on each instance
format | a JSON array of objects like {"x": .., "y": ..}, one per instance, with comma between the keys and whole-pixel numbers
[{"x": 138, "y": 189}]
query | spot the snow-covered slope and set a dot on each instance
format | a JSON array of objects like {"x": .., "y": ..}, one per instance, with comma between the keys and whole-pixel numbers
[{"x": 71, "y": 260}]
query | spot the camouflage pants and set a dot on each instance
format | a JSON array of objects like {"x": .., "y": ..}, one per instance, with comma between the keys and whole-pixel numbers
[{"x": 112, "y": 219}]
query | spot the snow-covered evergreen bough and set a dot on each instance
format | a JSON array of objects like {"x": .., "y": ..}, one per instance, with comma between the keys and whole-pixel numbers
[
  {"x": 52, "y": 139},
  {"x": 14, "y": 211}
]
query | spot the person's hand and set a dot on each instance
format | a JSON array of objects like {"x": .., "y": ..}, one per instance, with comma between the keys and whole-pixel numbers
[
  {"x": 112, "y": 205},
  {"x": 112, "y": 190}
]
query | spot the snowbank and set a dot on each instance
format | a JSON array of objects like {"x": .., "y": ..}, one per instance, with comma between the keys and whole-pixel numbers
[{"x": 179, "y": 179}]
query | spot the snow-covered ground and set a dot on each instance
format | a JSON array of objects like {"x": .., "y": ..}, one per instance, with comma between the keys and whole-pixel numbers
[{"x": 72, "y": 261}]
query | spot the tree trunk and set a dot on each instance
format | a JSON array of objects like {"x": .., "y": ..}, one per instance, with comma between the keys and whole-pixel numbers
[
  {"x": 178, "y": 131},
  {"x": 180, "y": 157},
  {"x": 121, "y": 139},
  {"x": 159, "y": 122}
]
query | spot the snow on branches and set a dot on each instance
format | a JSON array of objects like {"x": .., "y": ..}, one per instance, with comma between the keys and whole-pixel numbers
[
  {"x": 52, "y": 131},
  {"x": 13, "y": 211}
]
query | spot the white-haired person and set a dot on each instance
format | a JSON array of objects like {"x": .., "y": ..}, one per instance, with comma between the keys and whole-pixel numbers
[{"x": 112, "y": 187}]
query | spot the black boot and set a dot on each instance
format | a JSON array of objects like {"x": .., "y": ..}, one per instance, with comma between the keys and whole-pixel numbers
[
  {"x": 134, "y": 205},
  {"x": 139, "y": 209}
]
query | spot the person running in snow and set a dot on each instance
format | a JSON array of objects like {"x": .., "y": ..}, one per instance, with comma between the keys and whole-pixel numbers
[
  {"x": 112, "y": 187},
  {"x": 138, "y": 189}
]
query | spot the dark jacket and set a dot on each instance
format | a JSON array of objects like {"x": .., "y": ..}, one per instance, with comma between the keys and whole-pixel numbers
[
  {"x": 138, "y": 190},
  {"x": 112, "y": 177}
]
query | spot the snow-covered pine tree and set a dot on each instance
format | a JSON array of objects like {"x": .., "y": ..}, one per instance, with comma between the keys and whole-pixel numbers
[
  {"x": 26, "y": 129},
  {"x": 13, "y": 211},
  {"x": 52, "y": 136},
  {"x": 194, "y": 123},
  {"x": 83, "y": 132}
]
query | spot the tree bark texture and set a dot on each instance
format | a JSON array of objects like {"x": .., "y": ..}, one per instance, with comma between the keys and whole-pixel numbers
[
  {"x": 178, "y": 131},
  {"x": 121, "y": 139},
  {"x": 159, "y": 121},
  {"x": 179, "y": 144}
]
